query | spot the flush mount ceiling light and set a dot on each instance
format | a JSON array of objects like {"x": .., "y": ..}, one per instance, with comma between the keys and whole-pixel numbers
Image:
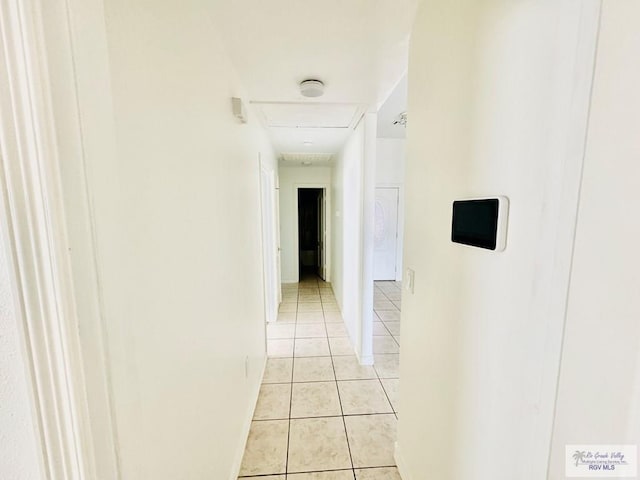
[
  {"x": 312, "y": 88},
  {"x": 307, "y": 143}
]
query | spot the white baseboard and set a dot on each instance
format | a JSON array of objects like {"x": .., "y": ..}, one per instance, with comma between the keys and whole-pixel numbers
[
  {"x": 364, "y": 359},
  {"x": 237, "y": 463},
  {"x": 400, "y": 463}
]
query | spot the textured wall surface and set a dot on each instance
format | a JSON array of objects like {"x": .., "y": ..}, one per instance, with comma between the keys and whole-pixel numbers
[{"x": 18, "y": 451}]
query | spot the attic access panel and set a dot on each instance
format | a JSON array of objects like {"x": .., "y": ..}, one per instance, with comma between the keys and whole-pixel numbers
[{"x": 309, "y": 115}]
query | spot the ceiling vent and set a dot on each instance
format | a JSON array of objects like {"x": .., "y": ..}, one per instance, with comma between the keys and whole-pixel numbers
[{"x": 312, "y": 88}]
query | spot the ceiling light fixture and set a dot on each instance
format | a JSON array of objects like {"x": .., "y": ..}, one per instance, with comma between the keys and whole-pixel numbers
[
  {"x": 307, "y": 143},
  {"x": 401, "y": 119},
  {"x": 312, "y": 88}
]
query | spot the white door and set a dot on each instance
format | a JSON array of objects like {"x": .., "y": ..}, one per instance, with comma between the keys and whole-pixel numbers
[
  {"x": 269, "y": 244},
  {"x": 385, "y": 234}
]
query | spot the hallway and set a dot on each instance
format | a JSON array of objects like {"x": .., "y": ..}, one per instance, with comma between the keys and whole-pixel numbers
[
  {"x": 320, "y": 414},
  {"x": 155, "y": 325}
]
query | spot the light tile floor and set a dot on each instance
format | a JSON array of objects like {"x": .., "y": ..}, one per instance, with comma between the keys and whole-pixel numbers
[{"x": 320, "y": 414}]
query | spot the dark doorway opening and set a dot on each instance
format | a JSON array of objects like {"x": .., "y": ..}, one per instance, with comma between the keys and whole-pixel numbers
[{"x": 311, "y": 232}]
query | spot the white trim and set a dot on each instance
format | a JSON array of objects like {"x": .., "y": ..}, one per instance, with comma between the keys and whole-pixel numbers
[
  {"x": 278, "y": 242},
  {"x": 389, "y": 185},
  {"x": 364, "y": 330},
  {"x": 40, "y": 92},
  {"x": 237, "y": 462},
  {"x": 401, "y": 464},
  {"x": 77, "y": 63},
  {"x": 587, "y": 38},
  {"x": 365, "y": 359},
  {"x": 37, "y": 244},
  {"x": 269, "y": 245},
  {"x": 327, "y": 218}
]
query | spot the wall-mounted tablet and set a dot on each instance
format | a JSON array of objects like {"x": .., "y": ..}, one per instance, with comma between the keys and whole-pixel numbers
[{"x": 480, "y": 222}]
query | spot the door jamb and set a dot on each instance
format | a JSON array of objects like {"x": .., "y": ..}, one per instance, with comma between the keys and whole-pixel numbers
[
  {"x": 37, "y": 244},
  {"x": 270, "y": 172}
]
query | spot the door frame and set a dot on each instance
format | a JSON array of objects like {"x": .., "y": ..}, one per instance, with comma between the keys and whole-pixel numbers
[
  {"x": 278, "y": 242},
  {"x": 271, "y": 280},
  {"x": 326, "y": 187},
  {"x": 320, "y": 248},
  {"x": 70, "y": 396}
]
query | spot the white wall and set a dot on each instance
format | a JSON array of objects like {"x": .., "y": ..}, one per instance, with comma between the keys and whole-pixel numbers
[
  {"x": 390, "y": 161},
  {"x": 20, "y": 458},
  {"x": 345, "y": 187},
  {"x": 176, "y": 214},
  {"x": 498, "y": 102},
  {"x": 390, "y": 170},
  {"x": 290, "y": 179},
  {"x": 599, "y": 388},
  {"x": 353, "y": 186}
]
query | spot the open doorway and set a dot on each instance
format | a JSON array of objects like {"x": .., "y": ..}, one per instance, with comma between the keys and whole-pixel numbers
[
  {"x": 311, "y": 232},
  {"x": 388, "y": 235}
]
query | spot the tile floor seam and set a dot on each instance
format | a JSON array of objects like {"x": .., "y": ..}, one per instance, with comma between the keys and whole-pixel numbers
[
  {"x": 308, "y": 295},
  {"x": 385, "y": 393},
  {"x": 293, "y": 363},
  {"x": 309, "y": 417},
  {"x": 384, "y": 325},
  {"x": 344, "y": 423}
]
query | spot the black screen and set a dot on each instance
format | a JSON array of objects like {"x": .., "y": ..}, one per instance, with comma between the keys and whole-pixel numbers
[{"x": 475, "y": 222}]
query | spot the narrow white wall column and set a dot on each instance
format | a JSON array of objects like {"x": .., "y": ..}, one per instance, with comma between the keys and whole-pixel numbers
[
  {"x": 353, "y": 192},
  {"x": 365, "y": 347}
]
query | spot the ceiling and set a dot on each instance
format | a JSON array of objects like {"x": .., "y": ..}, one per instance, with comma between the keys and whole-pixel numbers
[{"x": 358, "y": 48}]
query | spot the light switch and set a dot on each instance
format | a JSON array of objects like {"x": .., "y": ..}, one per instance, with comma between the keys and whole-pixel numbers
[{"x": 409, "y": 280}]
